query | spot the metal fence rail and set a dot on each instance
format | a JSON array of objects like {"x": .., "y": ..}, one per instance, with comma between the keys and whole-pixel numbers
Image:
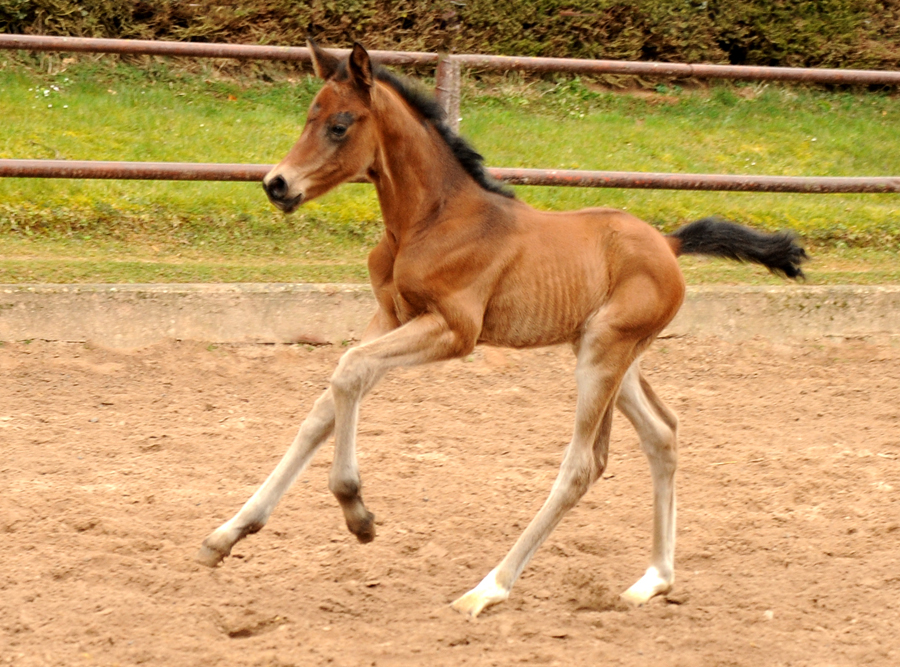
[
  {"x": 488, "y": 62},
  {"x": 181, "y": 171},
  {"x": 195, "y": 49}
]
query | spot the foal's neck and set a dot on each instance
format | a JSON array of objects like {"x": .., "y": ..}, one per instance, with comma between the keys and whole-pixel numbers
[{"x": 415, "y": 172}]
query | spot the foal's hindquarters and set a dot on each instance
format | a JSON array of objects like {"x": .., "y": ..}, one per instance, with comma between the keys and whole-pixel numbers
[{"x": 645, "y": 289}]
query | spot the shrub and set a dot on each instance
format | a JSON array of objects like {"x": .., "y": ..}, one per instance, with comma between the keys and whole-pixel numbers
[{"x": 803, "y": 33}]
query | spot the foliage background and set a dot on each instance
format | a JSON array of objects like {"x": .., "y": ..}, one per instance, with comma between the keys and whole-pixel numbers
[{"x": 801, "y": 33}]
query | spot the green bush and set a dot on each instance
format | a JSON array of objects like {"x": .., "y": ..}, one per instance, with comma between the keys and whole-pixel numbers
[{"x": 802, "y": 33}]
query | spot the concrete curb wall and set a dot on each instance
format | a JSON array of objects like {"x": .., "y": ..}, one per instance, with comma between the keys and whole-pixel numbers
[
  {"x": 128, "y": 316},
  {"x": 791, "y": 312}
]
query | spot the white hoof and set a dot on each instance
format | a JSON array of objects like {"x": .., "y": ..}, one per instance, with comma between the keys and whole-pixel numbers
[
  {"x": 647, "y": 587},
  {"x": 485, "y": 594},
  {"x": 210, "y": 557}
]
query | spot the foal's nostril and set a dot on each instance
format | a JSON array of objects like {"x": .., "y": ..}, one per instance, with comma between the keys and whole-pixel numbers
[{"x": 277, "y": 188}]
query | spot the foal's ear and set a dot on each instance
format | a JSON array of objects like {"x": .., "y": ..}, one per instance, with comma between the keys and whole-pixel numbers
[
  {"x": 324, "y": 64},
  {"x": 360, "y": 68}
]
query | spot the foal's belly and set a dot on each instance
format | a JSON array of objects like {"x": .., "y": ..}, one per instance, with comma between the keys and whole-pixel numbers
[{"x": 545, "y": 312}]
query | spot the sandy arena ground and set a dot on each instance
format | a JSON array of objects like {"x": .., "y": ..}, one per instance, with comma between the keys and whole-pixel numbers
[{"x": 116, "y": 465}]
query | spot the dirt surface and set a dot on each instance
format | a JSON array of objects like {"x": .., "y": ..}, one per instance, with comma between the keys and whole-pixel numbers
[{"x": 116, "y": 465}]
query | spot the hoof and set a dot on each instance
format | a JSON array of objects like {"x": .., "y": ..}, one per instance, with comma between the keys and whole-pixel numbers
[
  {"x": 646, "y": 588},
  {"x": 210, "y": 557},
  {"x": 633, "y": 599},
  {"x": 469, "y": 604},
  {"x": 363, "y": 529},
  {"x": 485, "y": 594}
]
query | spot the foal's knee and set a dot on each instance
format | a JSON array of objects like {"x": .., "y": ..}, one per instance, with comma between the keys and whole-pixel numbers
[
  {"x": 661, "y": 446},
  {"x": 578, "y": 474},
  {"x": 349, "y": 378}
]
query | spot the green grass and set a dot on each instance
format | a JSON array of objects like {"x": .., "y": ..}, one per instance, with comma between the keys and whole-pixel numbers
[{"x": 155, "y": 231}]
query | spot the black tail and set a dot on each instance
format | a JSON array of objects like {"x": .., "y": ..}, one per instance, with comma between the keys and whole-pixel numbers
[{"x": 714, "y": 236}]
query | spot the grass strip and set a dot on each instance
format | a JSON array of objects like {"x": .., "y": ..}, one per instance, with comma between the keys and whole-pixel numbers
[{"x": 143, "y": 231}]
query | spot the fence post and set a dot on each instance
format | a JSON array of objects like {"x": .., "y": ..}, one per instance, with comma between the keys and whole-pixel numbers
[{"x": 447, "y": 82}]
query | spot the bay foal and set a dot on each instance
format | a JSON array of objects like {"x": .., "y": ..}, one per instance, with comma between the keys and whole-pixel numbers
[{"x": 462, "y": 262}]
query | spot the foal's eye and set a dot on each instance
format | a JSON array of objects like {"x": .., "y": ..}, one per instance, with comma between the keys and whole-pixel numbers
[
  {"x": 338, "y": 125},
  {"x": 338, "y": 131}
]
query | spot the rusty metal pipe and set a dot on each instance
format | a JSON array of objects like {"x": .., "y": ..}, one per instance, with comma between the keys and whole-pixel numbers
[
  {"x": 502, "y": 63},
  {"x": 709, "y": 182},
  {"x": 679, "y": 70},
  {"x": 196, "y": 49},
  {"x": 153, "y": 171},
  {"x": 183, "y": 171}
]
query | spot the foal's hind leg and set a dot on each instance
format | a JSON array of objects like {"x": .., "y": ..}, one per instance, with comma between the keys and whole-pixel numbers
[
  {"x": 657, "y": 428},
  {"x": 601, "y": 364}
]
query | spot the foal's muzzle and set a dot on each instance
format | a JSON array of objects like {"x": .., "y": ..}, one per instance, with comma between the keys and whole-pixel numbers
[{"x": 277, "y": 191}]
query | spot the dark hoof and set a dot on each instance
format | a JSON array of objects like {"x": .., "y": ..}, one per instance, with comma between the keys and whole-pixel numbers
[{"x": 365, "y": 529}]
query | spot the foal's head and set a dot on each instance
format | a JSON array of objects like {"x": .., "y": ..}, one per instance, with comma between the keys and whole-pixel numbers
[{"x": 338, "y": 141}]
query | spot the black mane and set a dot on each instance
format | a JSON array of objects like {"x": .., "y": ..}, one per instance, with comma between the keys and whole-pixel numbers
[{"x": 431, "y": 110}]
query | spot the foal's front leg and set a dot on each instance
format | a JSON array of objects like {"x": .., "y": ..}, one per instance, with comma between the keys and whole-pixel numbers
[
  {"x": 315, "y": 430},
  {"x": 422, "y": 340}
]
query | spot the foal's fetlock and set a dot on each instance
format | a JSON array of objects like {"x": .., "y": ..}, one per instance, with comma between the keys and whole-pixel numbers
[
  {"x": 360, "y": 521},
  {"x": 217, "y": 546}
]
